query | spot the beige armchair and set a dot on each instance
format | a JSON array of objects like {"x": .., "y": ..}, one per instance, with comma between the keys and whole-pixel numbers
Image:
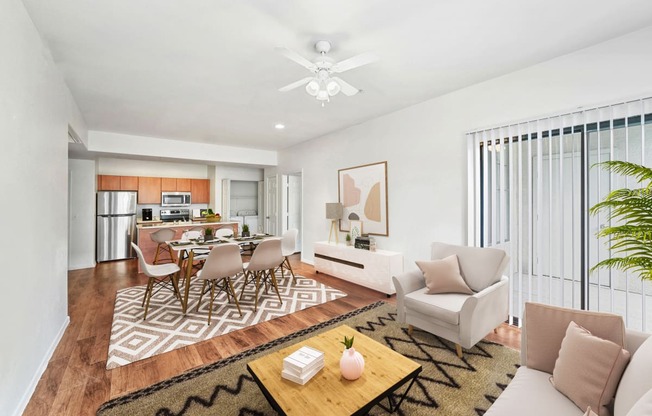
[{"x": 460, "y": 318}]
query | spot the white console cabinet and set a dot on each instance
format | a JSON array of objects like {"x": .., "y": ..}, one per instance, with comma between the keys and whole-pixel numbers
[{"x": 372, "y": 269}]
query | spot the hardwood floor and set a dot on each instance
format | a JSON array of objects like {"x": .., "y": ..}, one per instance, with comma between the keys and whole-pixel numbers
[{"x": 76, "y": 381}]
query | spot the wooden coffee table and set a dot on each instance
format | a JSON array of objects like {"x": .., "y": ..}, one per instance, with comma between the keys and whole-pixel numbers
[{"x": 328, "y": 392}]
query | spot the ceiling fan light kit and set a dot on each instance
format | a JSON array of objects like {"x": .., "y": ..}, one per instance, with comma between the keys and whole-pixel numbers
[{"x": 322, "y": 85}]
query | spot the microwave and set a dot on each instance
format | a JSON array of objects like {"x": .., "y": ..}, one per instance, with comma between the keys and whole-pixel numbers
[{"x": 175, "y": 199}]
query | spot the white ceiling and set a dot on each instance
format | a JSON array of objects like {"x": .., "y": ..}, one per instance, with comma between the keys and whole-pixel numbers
[{"x": 206, "y": 70}]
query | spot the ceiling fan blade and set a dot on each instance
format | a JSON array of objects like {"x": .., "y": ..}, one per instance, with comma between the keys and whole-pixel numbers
[
  {"x": 292, "y": 55},
  {"x": 296, "y": 84},
  {"x": 354, "y": 62},
  {"x": 347, "y": 89}
]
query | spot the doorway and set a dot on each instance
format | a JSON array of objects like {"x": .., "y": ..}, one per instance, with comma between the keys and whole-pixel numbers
[{"x": 291, "y": 198}]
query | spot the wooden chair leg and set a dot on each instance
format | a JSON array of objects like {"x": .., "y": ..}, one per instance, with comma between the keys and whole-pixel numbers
[
  {"x": 458, "y": 349},
  {"x": 148, "y": 295},
  {"x": 158, "y": 249},
  {"x": 275, "y": 285},
  {"x": 288, "y": 266},
  {"x": 210, "y": 307},
  {"x": 201, "y": 295},
  {"x": 230, "y": 286},
  {"x": 410, "y": 329}
]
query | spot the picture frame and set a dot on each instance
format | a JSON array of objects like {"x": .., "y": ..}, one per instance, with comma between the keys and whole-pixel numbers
[
  {"x": 362, "y": 191},
  {"x": 355, "y": 230}
]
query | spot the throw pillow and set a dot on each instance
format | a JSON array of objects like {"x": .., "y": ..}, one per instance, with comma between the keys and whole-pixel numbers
[
  {"x": 643, "y": 407},
  {"x": 588, "y": 369},
  {"x": 545, "y": 327},
  {"x": 443, "y": 276}
]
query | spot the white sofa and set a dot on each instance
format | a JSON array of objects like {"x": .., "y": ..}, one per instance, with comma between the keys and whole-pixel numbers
[{"x": 531, "y": 392}]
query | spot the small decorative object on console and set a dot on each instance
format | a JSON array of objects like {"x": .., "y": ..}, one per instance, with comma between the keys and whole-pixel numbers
[
  {"x": 302, "y": 365},
  {"x": 352, "y": 362},
  {"x": 363, "y": 243}
]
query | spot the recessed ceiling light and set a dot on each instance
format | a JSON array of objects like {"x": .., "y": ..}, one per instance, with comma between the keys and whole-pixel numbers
[{"x": 279, "y": 126}]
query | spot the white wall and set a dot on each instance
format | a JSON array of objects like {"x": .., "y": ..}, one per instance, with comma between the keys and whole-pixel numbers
[
  {"x": 425, "y": 146},
  {"x": 35, "y": 109},
  {"x": 132, "y": 167},
  {"x": 81, "y": 225}
]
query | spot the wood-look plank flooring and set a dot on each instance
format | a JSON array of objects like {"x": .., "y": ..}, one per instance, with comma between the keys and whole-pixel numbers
[{"x": 76, "y": 381}]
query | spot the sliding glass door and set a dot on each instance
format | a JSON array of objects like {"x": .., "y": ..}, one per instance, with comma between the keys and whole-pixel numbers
[{"x": 531, "y": 186}]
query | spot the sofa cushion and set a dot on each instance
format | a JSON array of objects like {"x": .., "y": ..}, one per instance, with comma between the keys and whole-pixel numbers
[
  {"x": 588, "y": 369},
  {"x": 480, "y": 267},
  {"x": 545, "y": 328},
  {"x": 530, "y": 393},
  {"x": 445, "y": 307},
  {"x": 643, "y": 407},
  {"x": 636, "y": 380},
  {"x": 443, "y": 276}
]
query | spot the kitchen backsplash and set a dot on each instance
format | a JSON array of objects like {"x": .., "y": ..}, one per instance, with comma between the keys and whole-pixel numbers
[{"x": 156, "y": 209}]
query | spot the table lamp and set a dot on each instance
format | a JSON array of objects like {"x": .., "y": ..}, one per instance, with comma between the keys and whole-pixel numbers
[{"x": 333, "y": 213}]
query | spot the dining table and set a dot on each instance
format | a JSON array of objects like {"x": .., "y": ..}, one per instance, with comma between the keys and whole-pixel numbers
[{"x": 185, "y": 251}]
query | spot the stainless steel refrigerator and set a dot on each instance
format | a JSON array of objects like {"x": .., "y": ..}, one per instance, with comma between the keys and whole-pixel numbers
[{"x": 116, "y": 224}]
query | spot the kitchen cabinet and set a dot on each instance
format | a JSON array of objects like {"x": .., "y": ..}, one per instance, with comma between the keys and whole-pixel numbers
[
  {"x": 149, "y": 190},
  {"x": 184, "y": 185},
  {"x": 128, "y": 183},
  {"x": 201, "y": 191},
  {"x": 169, "y": 184},
  {"x": 108, "y": 183}
]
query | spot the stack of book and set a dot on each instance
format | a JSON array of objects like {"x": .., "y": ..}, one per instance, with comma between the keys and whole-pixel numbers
[{"x": 302, "y": 365}]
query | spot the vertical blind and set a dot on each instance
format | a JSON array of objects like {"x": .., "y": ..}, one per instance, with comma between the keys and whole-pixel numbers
[{"x": 531, "y": 185}]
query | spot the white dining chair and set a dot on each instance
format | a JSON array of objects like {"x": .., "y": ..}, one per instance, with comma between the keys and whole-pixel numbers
[
  {"x": 260, "y": 269},
  {"x": 161, "y": 275},
  {"x": 223, "y": 262},
  {"x": 160, "y": 237},
  {"x": 288, "y": 246},
  {"x": 224, "y": 232}
]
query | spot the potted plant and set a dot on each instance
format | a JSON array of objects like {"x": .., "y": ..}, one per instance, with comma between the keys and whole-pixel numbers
[
  {"x": 631, "y": 210},
  {"x": 352, "y": 362},
  {"x": 245, "y": 230},
  {"x": 348, "y": 239},
  {"x": 208, "y": 233}
]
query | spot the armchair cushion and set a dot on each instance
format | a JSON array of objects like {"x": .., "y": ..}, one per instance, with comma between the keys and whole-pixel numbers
[
  {"x": 636, "y": 380},
  {"x": 443, "y": 276},
  {"x": 442, "y": 307},
  {"x": 545, "y": 328},
  {"x": 643, "y": 407},
  {"x": 480, "y": 266},
  {"x": 588, "y": 369}
]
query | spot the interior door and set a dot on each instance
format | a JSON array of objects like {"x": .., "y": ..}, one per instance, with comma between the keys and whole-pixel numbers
[
  {"x": 294, "y": 206},
  {"x": 271, "y": 205}
]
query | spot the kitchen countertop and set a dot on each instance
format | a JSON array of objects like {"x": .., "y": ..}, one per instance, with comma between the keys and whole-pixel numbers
[{"x": 160, "y": 224}]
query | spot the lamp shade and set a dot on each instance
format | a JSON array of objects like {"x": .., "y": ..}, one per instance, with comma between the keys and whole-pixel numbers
[{"x": 333, "y": 210}]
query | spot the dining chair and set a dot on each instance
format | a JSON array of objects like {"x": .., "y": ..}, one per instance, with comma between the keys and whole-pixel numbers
[
  {"x": 260, "y": 269},
  {"x": 161, "y": 275},
  {"x": 288, "y": 246},
  {"x": 223, "y": 262},
  {"x": 160, "y": 237},
  {"x": 224, "y": 232},
  {"x": 199, "y": 255}
]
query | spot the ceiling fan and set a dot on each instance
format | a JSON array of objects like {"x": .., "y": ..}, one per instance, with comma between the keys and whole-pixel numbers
[{"x": 322, "y": 84}]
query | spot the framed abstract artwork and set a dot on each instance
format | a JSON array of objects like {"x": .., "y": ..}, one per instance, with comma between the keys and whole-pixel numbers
[{"x": 363, "y": 194}]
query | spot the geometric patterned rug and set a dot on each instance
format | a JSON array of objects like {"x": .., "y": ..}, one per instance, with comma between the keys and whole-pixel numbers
[
  {"x": 167, "y": 329},
  {"x": 447, "y": 386}
]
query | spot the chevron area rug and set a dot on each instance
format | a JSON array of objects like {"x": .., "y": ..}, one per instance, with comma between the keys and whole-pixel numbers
[
  {"x": 447, "y": 385},
  {"x": 166, "y": 328}
]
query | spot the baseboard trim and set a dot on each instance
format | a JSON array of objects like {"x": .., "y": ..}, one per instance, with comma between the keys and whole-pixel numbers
[{"x": 40, "y": 370}]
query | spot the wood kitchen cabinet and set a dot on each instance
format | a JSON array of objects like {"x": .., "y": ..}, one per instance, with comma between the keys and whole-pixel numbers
[
  {"x": 149, "y": 190},
  {"x": 184, "y": 185},
  {"x": 128, "y": 183},
  {"x": 169, "y": 184},
  {"x": 201, "y": 191},
  {"x": 117, "y": 183}
]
